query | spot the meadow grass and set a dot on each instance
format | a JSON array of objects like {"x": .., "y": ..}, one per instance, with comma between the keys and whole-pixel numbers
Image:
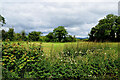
[{"x": 77, "y": 59}]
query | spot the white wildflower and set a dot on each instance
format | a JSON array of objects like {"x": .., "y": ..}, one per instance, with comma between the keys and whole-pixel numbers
[
  {"x": 80, "y": 52},
  {"x": 89, "y": 75},
  {"x": 75, "y": 51}
]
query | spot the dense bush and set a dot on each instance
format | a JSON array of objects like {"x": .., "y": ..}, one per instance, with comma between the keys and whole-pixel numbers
[{"x": 18, "y": 59}]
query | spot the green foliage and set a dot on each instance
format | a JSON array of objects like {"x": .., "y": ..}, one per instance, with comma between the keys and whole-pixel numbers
[
  {"x": 18, "y": 37},
  {"x": 69, "y": 38},
  {"x": 23, "y": 36},
  {"x": 34, "y": 36},
  {"x": 106, "y": 30},
  {"x": 84, "y": 61},
  {"x": 18, "y": 59},
  {"x": 2, "y": 20},
  {"x": 10, "y": 34},
  {"x": 50, "y": 37},
  {"x": 60, "y": 33}
]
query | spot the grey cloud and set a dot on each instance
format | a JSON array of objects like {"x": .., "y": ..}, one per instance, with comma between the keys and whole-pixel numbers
[{"x": 77, "y": 17}]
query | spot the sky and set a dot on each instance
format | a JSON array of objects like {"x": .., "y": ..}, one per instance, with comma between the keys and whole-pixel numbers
[{"x": 77, "y": 16}]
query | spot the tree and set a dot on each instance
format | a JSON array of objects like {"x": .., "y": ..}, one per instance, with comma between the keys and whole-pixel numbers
[
  {"x": 105, "y": 30},
  {"x": 24, "y": 38},
  {"x": 10, "y": 34},
  {"x": 117, "y": 28},
  {"x": 2, "y": 20},
  {"x": 4, "y": 35},
  {"x": 18, "y": 37},
  {"x": 60, "y": 33},
  {"x": 69, "y": 38},
  {"x": 50, "y": 37},
  {"x": 34, "y": 36}
]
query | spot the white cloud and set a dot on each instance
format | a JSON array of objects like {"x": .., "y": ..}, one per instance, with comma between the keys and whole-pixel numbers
[
  {"x": 78, "y": 17},
  {"x": 59, "y": 0}
]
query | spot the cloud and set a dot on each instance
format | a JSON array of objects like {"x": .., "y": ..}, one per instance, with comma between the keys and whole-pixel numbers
[
  {"x": 35, "y": 15},
  {"x": 59, "y": 0}
]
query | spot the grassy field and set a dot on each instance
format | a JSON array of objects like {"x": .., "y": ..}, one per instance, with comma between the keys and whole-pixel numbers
[
  {"x": 65, "y": 60},
  {"x": 57, "y": 47}
]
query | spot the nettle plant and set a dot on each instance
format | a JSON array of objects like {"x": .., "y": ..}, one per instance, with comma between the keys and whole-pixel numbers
[{"x": 19, "y": 59}]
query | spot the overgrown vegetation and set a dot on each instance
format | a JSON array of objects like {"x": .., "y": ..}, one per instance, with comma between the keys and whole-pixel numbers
[{"x": 81, "y": 60}]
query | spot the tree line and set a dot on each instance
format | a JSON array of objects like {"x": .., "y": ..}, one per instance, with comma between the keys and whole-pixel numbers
[
  {"x": 107, "y": 29},
  {"x": 59, "y": 34}
]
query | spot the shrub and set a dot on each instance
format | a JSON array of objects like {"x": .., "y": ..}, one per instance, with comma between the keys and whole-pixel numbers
[{"x": 19, "y": 59}]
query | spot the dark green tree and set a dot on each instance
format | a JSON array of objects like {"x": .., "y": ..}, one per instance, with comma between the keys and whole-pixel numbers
[
  {"x": 2, "y": 20},
  {"x": 117, "y": 28},
  {"x": 50, "y": 37},
  {"x": 34, "y": 36},
  {"x": 4, "y": 35},
  {"x": 60, "y": 33},
  {"x": 18, "y": 37},
  {"x": 24, "y": 38},
  {"x": 10, "y": 34},
  {"x": 105, "y": 30}
]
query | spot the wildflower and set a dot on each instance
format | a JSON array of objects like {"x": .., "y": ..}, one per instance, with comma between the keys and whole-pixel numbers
[
  {"x": 61, "y": 60},
  {"x": 94, "y": 76},
  {"x": 89, "y": 75},
  {"x": 80, "y": 52},
  {"x": 105, "y": 53},
  {"x": 75, "y": 51}
]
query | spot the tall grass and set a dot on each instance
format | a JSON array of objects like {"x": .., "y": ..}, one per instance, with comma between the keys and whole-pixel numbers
[{"x": 82, "y": 60}]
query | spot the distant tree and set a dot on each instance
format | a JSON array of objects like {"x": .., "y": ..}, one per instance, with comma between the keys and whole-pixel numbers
[
  {"x": 24, "y": 38},
  {"x": 34, "y": 36},
  {"x": 10, "y": 34},
  {"x": 60, "y": 33},
  {"x": 50, "y": 37},
  {"x": 18, "y": 37},
  {"x": 69, "y": 38},
  {"x": 4, "y": 35}
]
